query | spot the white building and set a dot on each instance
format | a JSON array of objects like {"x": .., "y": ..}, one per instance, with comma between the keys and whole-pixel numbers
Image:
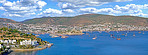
[
  {"x": 1, "y": 46},
  {"x": 1, "y": 41},
  {"x": 28, "y": 42},
  {"x": 34, "y": 42},
  {"x": 8, "y": 41},
  {"x": 5, "y": 41},
  {"x": 25, "y": 42},
  {"x": 13, "y": 41}
]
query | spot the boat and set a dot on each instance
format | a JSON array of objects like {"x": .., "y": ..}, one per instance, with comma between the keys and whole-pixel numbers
[
  {"x": 64, "y": 36},
  {"x": 123, "y": 34},
  {"x": 113, "y": 37},
  {"x": 53, "y": 36},
  {"x": 100, "y": 31},
  {"x": 126, "y": 34},
  {"x": 134, "y": 35},
  {"x": 94, "y": 38},
  {"x": 37, "y": 35},
  {"x": 118, "y": 38},
  {"x": 143, "y": 33},
  {"x": 139, "y": 32},
  {"x": 87, "y": 34}
]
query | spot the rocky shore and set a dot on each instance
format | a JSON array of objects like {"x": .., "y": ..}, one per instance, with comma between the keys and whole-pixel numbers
[{"x": 34, "y": 49}]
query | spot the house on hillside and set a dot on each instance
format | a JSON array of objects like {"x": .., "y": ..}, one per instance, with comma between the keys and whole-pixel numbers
[
  {"x": 8, "y": 41},
  {"x": 25, "y": 42},
  {"x": 1, "y": 45},
  {"x": 29, "y": 42}
]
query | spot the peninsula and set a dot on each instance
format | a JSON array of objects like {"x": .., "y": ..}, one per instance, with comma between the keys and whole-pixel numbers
[{"x": 14, "y": 40}]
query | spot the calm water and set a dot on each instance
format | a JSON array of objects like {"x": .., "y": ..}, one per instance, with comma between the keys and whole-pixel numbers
[{"x": 103, "y": 45}]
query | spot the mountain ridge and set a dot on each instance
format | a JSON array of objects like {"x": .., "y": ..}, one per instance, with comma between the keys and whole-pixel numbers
[{"x": 87, "y": 19}]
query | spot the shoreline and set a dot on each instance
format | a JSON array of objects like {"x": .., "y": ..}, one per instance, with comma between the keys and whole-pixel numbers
[
  {"x": 84, "y": 31},
  {"x": 34, "y": 49}
]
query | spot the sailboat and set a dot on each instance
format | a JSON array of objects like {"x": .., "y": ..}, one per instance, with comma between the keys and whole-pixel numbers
[
  {"x": 111, "y": 35},
  {"x": 134, "y": 35},
  {"x": 117, "y": 32},
  {"x": 143, "y": 32},
  {"x": 126, "y": 34}
]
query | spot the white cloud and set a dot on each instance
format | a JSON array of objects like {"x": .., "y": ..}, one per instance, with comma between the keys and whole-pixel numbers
[
  {"x": 1, "y": 8},
  {"x": 11, "y": 15},
  {"x": 8, "y": 3},
  {"x": 57, "y": 13},
  {"x": 22, "y": 8},
  {"x": 41, "y": 3},
  {"x": 2, "y": 1},
  {"x": 88, "y": 10},
  {"x": 130, "y": 9},
  {"x": 68, "y": 11},
  {"x": 70, "y": 4},
  {"x": 140, "y": 14},
  {"x": 51, "y": 12}
]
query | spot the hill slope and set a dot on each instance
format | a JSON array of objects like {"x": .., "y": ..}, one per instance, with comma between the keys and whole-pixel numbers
[
  {"x": 7, "y": 20},
  {"x": 89, "y": 19}
]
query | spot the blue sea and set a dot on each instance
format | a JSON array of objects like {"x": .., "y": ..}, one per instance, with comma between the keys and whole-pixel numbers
[{"x": 103, "y": 45}]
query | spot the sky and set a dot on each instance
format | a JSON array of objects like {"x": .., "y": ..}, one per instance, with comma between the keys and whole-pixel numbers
[{"x": 20, "y": 10}]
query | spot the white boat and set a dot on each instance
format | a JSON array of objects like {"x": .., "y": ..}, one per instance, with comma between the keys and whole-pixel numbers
[
  {"x": 64, "y": 37},
  {"x": 37, "y": 35},
  {"x": 53, "y": 36},
  {"x": 94, "y": 38},
  {"x": 134, "y": 35},
  {"x": 143, "y": 33}
]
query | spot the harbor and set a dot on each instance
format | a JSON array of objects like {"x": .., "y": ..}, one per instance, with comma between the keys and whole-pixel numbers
[{"x": 104, "y": 44}]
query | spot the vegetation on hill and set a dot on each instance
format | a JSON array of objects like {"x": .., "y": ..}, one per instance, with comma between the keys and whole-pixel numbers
[
  {"x": 8, "y": 33},
  {"x": 89, "y": 19}
]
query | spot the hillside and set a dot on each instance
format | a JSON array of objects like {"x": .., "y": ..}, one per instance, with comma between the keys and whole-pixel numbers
[
  {"x": 8, "y": 33},
  {"x": 7, "y": 20},
  {"x": 89, "y": 19}
]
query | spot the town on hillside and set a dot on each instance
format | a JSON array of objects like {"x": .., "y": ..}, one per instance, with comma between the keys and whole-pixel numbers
[{"x": 72, "y": 30}]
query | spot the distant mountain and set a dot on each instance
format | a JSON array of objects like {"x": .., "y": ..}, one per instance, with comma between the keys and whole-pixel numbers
[
  {"x": 89, "y": 19},
  {"x": 7, "y": 20}
]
